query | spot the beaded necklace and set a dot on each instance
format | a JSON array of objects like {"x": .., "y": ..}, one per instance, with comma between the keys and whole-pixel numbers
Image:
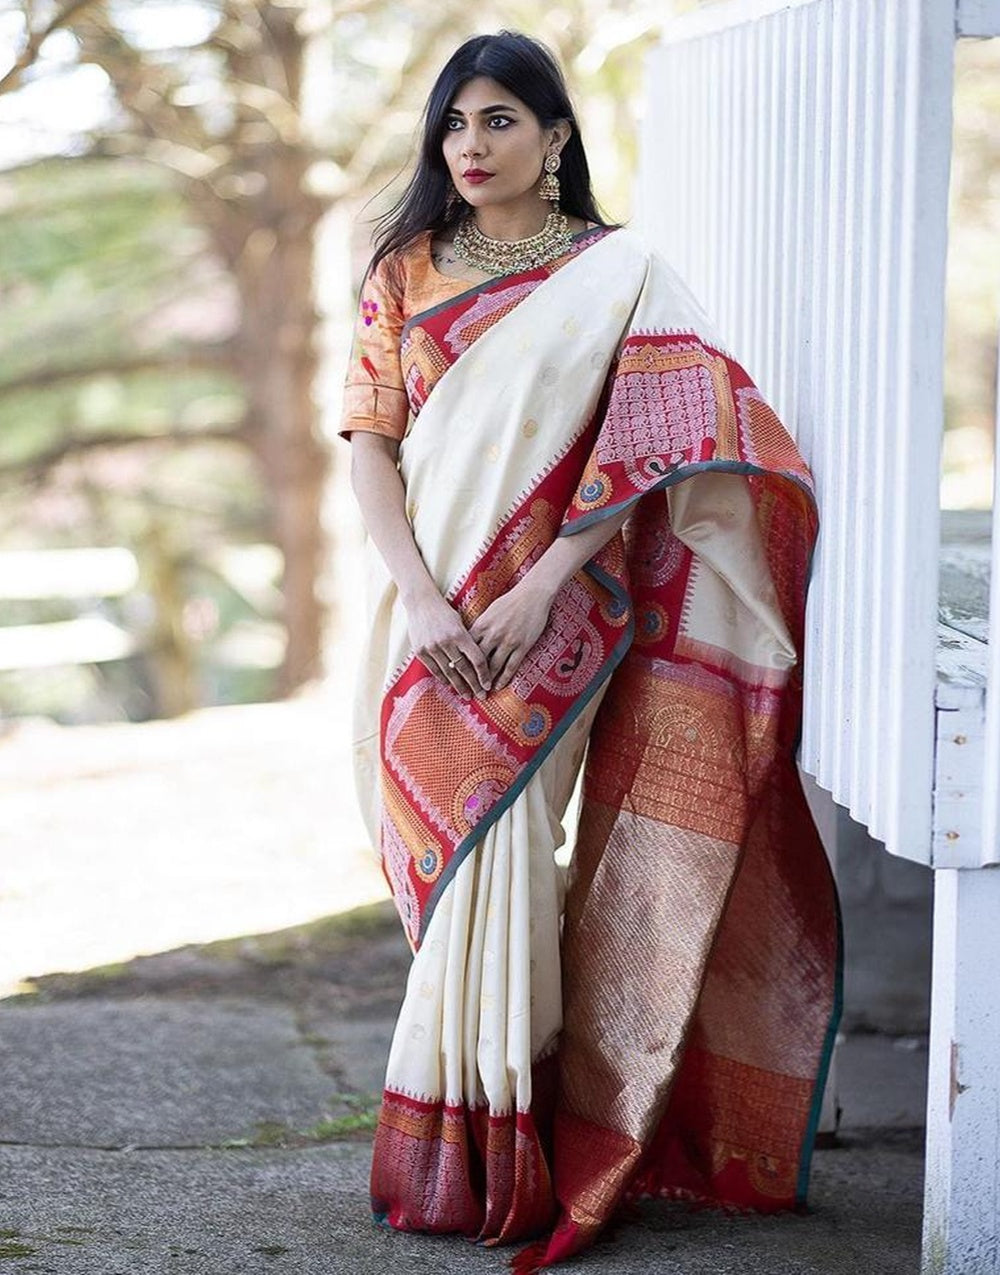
[{"x": 509, "y": 256}]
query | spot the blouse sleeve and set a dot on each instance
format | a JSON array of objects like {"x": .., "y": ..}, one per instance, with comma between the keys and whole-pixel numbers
[{"x": 374, "y": 393}]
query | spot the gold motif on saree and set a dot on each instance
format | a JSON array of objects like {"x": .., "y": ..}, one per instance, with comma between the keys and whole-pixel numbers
[
  {"x": 427, "y": 852},
  {"x": 431, "y": 755},
  {"x": 532, "y": 534},
  {"x": 660, "y": 368},
  {"x": 677, "y": 759},
  {"x": 423, "y": 1125},
  {"x": 763, "y": 434},
  {"x": 477, "y": 793},
  {"x": 595, "y": 487},
  {"x": 526, "y": 722},
  {"x": 632, "y": 975}
]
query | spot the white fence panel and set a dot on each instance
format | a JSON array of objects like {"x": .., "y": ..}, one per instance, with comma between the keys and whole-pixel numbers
[{"x": 795, "y": 171}]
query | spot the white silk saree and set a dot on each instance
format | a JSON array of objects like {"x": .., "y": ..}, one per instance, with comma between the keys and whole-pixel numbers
[{"x": 660, "y": 1022}]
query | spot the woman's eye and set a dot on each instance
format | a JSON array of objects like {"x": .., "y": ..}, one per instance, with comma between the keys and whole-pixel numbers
[
  {"x": 453, "y": 124},
  {"x": 500, "y": 119}
]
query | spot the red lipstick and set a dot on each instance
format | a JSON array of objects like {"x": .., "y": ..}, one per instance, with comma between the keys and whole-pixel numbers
[{"x": 476, "y": 175}]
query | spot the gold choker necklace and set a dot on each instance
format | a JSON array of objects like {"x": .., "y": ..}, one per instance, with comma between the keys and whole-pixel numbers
[{"x": 508, "y": 256}]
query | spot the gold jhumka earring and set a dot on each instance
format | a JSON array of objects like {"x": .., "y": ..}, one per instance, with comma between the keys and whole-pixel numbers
[{"x": 549, "y": 189}]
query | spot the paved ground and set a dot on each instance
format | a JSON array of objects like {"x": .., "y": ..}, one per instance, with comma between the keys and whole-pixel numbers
[
  {"x": 205, "y": 1107},
  {"x": 207, "y": 1111},
  {"x": 125, "y": 837}
]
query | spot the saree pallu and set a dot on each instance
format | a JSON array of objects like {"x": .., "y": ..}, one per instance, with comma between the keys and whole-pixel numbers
[{"x": 659, "y": 1021}]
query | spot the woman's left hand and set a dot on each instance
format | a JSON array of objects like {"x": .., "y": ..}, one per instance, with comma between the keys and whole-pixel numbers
[{"x": 509, "y": 627}]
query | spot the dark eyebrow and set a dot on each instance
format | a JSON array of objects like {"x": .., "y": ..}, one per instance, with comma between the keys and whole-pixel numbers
[{"x": 487, "y": 110}]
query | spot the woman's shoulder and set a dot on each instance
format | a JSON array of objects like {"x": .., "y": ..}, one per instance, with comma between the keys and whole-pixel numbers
[{"x": 397, "y": 270}]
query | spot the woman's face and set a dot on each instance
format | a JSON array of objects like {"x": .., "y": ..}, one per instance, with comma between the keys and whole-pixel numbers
[{"x": 494, "y": 145}]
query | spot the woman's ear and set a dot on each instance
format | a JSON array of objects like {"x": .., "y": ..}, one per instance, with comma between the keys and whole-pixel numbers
[{"x": 562, "y": 130}]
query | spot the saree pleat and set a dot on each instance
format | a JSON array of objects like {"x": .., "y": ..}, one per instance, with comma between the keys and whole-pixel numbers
[
  {"x": 463, "y": 1140},
  {"x": 660, "y": 1023}
]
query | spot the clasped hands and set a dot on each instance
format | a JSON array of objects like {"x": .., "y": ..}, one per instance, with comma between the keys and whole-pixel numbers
[{"x": 486, "y": 655}]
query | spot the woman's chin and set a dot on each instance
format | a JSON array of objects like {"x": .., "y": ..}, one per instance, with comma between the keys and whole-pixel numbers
[
  {"x": 477, "y": 197},
  {"x": 481, "y": 197}
]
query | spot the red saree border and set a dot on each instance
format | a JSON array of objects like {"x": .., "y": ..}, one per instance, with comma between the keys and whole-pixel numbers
[
  {"x": 451, "y": 767},
  {"x": 444, "y": 1167}
]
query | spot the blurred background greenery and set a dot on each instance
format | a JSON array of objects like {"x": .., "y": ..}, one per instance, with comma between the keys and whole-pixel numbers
[{"x": 185, "y": 201}]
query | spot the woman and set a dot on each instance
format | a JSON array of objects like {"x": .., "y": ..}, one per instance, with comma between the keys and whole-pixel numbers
[{"x": 585, "y": 526}]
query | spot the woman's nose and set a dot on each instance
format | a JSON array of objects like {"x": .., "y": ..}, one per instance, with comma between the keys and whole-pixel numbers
[{"x": 474, "y": 143}]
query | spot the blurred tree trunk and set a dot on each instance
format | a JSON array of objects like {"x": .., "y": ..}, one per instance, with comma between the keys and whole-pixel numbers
[
  {"x": 247, "y": 185},
  {"x": 268, "y": 240},
  {"x": 275, "y": 348},
  {"x": 169, "y": 650}
]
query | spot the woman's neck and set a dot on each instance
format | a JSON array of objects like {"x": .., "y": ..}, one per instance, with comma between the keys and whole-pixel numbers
[{"x": 519, "y": 219}]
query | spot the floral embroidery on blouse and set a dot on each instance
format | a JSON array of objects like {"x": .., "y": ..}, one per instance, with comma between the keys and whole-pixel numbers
[{"x": 374, "y": 395}]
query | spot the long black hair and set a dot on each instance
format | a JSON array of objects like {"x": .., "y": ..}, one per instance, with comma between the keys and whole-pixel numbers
[{"x": 526, "y": 68}]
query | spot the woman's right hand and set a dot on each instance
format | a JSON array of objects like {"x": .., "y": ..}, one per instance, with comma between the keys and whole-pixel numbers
[{"x": 447, "y": 649}]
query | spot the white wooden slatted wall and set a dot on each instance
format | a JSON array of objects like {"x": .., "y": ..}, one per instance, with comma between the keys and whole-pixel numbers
[{"x": 794, "y": 170}]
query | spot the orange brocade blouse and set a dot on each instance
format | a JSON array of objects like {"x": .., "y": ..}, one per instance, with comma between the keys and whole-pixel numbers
[{"x": 375, "y": 397}]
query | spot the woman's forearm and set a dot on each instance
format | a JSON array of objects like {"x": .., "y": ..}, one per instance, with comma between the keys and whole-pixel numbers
[
  {"x": 514, "y": 621},
  {"x": 381, "y": 497},
  {"x": 440, "y": 639},
  {"x": 567, "y": 554}
]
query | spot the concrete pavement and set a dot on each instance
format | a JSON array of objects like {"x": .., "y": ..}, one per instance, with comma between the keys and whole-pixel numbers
[
  {"x": 207, "y": 1111},
  {"x": 205, "y": 1107}
]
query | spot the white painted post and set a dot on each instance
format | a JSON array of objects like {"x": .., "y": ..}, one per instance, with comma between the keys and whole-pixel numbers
[
  {"x": 962, "y": 1175},
  {"x": 830, "y": 119},
  {"x": 962, "y": 1191}
]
